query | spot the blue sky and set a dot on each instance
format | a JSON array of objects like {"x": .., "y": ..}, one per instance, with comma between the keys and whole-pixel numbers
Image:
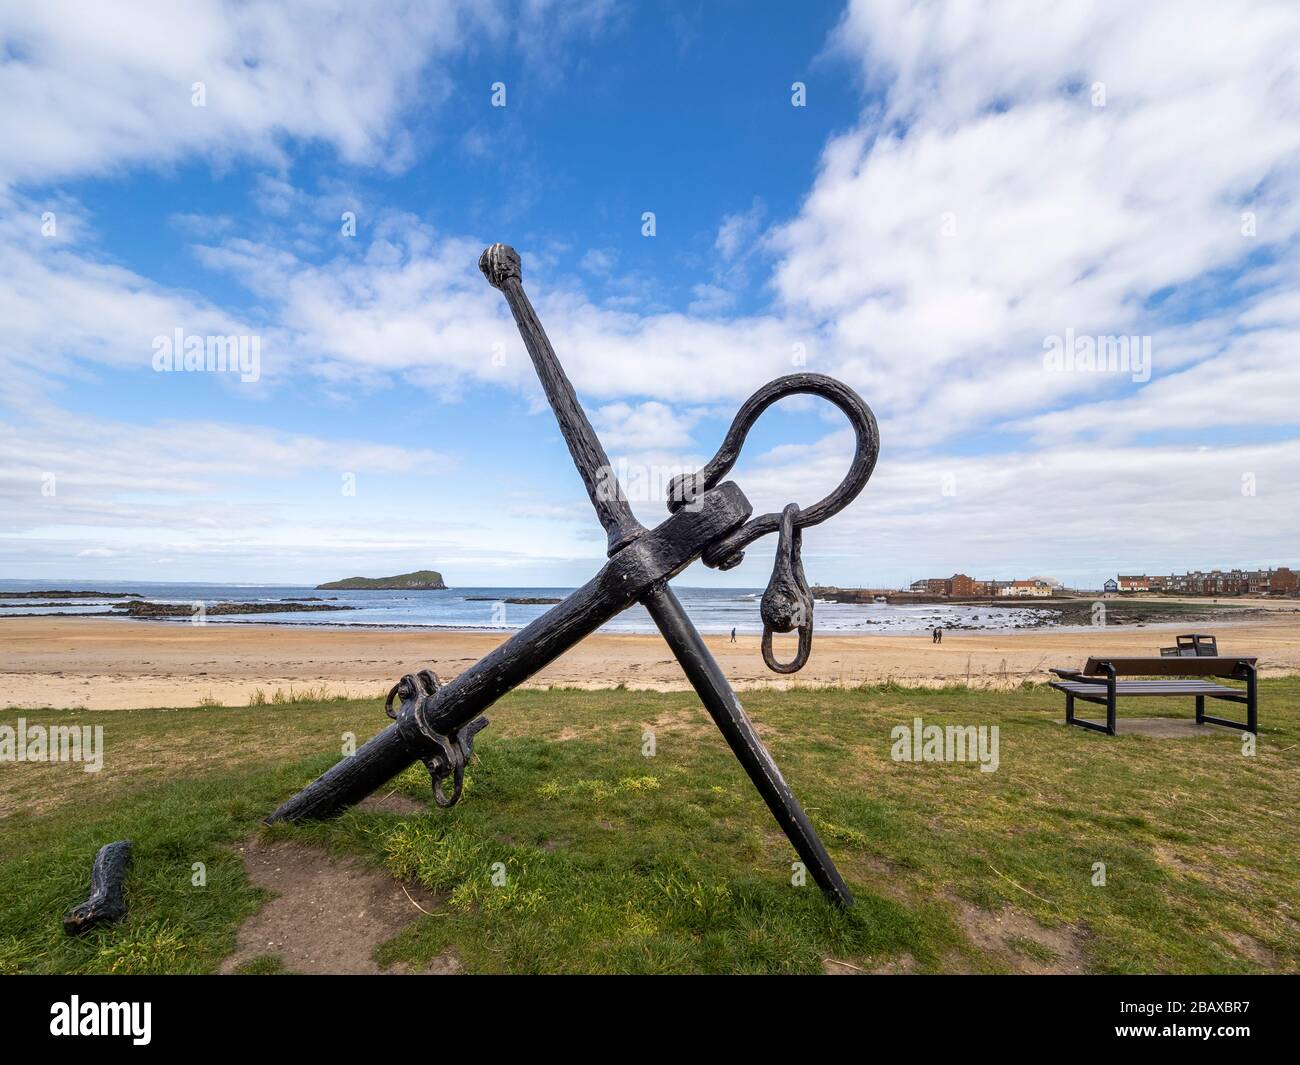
[{"x": 963, "y": 184}]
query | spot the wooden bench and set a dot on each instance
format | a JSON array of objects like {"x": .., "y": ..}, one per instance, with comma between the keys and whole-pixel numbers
[{"x": 1098, "y": 682}]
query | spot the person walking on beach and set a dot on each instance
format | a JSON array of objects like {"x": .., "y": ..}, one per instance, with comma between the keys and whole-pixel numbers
[
  {"x": 733, "y": 635},
  {"x": 937, "y": 635}
]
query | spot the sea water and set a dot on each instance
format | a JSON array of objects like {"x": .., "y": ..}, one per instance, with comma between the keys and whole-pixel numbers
[{"x": 713, "y": 610}]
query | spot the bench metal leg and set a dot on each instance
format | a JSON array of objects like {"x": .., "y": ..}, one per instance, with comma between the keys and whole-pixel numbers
[
  {"x": 1249, "y": 725},
  {"x": 1240, "y": 726},
  {"x": 1110, "y": 710},
  {"x": 1091, "y": 726},
  {"x": 1252, "y": 708}
]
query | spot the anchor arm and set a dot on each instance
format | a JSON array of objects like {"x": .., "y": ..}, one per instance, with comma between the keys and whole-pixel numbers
[{"x": 702, "y": 670}]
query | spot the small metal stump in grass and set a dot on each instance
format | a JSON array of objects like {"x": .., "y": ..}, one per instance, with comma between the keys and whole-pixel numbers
[
  {"x": 107, "y": 901},
  {"x": 708, "y": 519}
]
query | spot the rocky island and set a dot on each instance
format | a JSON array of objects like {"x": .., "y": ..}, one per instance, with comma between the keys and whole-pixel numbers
[{"x": 422, "y": 580}]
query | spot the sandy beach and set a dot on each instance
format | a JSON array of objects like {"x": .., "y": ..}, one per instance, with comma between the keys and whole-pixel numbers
[{"x": 117, "y": 664}]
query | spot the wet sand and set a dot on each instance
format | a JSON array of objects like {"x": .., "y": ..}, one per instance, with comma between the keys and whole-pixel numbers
[{"x": 115, "y": 664}]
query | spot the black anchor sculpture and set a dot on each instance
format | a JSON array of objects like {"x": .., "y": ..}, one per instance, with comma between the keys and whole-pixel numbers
[{"x": 708, "y": 518}]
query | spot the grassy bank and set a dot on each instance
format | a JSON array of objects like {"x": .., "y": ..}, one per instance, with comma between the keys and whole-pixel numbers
[{"x": 616, "y": 862}]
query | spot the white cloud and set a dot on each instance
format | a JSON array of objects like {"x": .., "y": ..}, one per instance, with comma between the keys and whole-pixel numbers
[
  {"x": 61, "y": 308},
  {"x": 61, "y": 471},
  {"x": 415, "y": 302},
  {"x": 738, "y": 231},
  {"x": 986, "y": 203},
  {"x": 95, "y": 497},
  {"x": 91, "y": 86},
  {"x": 710, "y": 300},
  {"x": 645, "y": 426},
  {"x": 1250, "y": 379},
  {"x": 598, "y": 261}
]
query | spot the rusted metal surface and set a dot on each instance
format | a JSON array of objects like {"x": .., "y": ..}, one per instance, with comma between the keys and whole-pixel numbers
[
  {"x": 708, "y": 519},
  {"x": 107, "y": 901}
]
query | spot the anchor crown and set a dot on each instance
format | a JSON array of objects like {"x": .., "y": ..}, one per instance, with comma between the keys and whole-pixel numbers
[{"x": 499, "y": 263}]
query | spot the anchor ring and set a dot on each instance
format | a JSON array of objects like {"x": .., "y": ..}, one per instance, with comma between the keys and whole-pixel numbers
[{"x": 685, "y": 488}]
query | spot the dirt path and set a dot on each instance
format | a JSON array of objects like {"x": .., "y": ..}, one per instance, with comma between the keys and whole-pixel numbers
[{"x": 328, "y": 914}]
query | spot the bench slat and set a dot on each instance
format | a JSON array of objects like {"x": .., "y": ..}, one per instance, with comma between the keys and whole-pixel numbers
[{"x": 1149, "y": 687}]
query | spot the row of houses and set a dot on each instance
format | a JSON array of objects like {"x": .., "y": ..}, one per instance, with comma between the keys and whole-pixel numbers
[
  {"x": 960, "y": 586},
  {"x": 1280, "y": 581}
]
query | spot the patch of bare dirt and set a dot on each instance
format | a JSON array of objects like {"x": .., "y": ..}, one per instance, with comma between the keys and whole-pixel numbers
[
  {"x": 1251, "y": 949},
  {"x": 690, "y": 721},
  {"x": 901, "y": 965},
  {"x": 328, "y": 913},
  {"x": 1004, "y": 934},
  {"x": 393, "y": 803},
  {"x": 1166, "y": 857},
  {"x": 1158, "y": 728},
  {"x": 1168, "y": 728}
]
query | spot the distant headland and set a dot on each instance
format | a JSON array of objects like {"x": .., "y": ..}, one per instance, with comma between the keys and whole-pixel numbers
[{"x": 420, "y": 581}]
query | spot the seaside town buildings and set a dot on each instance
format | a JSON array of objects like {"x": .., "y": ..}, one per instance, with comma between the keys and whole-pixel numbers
[
  {"x": 1031, "y": 588},
  {"x": 1278, "y": 581},
  {"x": 960, "y": 586}
]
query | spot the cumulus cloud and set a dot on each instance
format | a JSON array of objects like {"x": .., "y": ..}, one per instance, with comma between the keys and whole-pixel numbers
[
  {"x": 186, "y": 498},
  {"x": 89, "y": 87},
  {"x": 738, "y": 231},
  {"x": 93, "y": 471},
  {"x": 415, "y": 301},
  {"x": 1029, "y": 169},
  {"x": 644, "y": 426},
  {"x": 62, "y": 308}
]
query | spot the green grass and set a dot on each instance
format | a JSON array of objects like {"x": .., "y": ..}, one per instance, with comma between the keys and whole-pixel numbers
[{"x": 614, "y": 862}]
